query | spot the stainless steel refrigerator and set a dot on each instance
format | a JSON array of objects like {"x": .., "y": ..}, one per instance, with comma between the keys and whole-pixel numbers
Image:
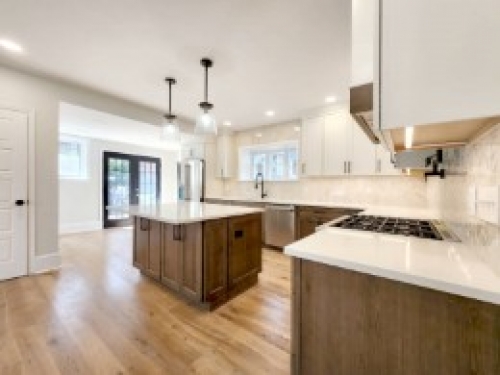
[{"x": 191, "y": 180}]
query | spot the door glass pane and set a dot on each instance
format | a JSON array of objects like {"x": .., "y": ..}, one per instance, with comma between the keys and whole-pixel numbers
[
  {"x": 118, "y": 186},
  {"x": 147, "y": 183}
]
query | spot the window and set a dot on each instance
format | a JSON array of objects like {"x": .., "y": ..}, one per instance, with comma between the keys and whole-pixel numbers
[
  {"x": 277, "y": 161},
  {"x": 72, "y": 158}
]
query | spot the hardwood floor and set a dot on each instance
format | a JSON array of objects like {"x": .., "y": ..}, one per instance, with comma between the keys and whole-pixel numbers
[{"x": 98, "y": 315}]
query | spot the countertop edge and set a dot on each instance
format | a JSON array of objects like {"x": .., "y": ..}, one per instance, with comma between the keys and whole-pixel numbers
[
  {"x": 411, "y": 279},
  {"x": 195, "y": 220}
]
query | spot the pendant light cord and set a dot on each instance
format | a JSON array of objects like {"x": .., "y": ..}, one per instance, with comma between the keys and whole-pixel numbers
[
  {"x": 170, "y": 98},
  {"x": 206, "y": 83}
]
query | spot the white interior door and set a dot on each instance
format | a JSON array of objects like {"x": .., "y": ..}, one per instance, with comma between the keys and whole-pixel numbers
[{"x": 13, "y": 194}]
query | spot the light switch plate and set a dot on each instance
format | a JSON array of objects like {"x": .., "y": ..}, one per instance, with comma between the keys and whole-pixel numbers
[{"x": 488, "y": 204}]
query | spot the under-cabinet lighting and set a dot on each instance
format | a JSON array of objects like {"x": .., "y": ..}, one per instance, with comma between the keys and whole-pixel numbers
[{"x": 409, "y": 137}]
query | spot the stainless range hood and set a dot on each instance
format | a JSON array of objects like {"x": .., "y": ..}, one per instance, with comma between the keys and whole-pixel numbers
[
  {"x": 449, "y": 134},
  {"x": 361, "y": 108}
]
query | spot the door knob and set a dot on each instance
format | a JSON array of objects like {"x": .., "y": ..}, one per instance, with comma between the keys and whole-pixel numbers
[{"x": 20, "y": 202}]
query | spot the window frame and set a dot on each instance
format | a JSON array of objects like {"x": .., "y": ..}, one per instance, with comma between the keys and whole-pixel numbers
[
  {"x": 246, "y": 166},
  {"x": 83, "y": 144}
]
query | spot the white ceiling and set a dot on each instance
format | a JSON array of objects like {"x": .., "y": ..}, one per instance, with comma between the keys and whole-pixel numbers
[
  {"x": 285, "y": 55},
  {"x": 89, "y": 123}
]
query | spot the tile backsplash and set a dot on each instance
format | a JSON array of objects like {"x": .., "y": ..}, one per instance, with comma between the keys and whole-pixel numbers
[
  {"x": 387, "y": 191},
  {"x": 478, "y": 166}
]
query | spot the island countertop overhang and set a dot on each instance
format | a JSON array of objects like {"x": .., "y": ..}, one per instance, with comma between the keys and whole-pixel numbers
[{"x": 187, "y": 212}]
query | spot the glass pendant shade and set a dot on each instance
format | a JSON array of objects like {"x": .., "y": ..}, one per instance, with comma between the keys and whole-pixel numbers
[
  {"x": 206, "y": 124},
  {"x": 170, "y": 131}
]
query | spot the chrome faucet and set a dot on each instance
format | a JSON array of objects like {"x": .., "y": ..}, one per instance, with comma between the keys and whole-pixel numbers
[{"x": 262, "y": 193}]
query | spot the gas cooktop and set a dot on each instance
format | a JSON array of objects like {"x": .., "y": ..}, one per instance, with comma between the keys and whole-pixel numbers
[{"x": 434, "y": 230}]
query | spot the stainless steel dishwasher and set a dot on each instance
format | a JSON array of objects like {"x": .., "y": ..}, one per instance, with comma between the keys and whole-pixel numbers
[{"x": 279, "y": 225}]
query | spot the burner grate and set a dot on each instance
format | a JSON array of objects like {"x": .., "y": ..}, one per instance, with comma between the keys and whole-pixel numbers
[{"x": 390, "y": 225}]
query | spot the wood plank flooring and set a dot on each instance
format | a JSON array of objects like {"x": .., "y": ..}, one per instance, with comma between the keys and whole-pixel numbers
[{"x": 98, "y": 315}]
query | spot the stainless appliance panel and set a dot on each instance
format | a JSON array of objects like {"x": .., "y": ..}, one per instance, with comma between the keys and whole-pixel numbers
[
  {"x": 191, "y": 180},
  {"x": 279, "y": 225}
]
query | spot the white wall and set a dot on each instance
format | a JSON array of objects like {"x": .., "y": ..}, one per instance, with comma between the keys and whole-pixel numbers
[
  {"x": 85, "y": 212},
  {"x": 43, "y": 96}
]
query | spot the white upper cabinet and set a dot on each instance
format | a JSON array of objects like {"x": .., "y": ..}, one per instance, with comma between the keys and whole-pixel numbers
[
  {"x": 313, "y": 132},
  {"x": 193, "y": 150},
  {"x": 440, "y": 61},
  {"x": 226, "y": 157},
  {"x": 334, "y": 145},
  {"x": 337, "y": 145},
  {"x": 363, "y": 37}
]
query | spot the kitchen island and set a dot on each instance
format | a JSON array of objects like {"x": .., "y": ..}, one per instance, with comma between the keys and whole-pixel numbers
[
  {"x": 382, "y": 304},
  {"x": 205, "y": 253}
]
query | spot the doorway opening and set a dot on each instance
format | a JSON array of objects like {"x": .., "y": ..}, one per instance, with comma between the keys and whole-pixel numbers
[{"x": 128, "y": 180}]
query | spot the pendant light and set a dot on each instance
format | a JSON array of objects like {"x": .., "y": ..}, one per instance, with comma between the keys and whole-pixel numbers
[
  {"x": 205, "y": 123},
  {"x": 170, "y": 130}
]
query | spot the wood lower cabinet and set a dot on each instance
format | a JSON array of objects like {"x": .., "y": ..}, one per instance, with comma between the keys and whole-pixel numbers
[
  {"x": 346, "y": 322},
  {"x": 206, "y": 262},
  {"x": 191, "y": 261},
  {"x": 147, "y": 246},
  {"x": 141, "y": 243},
  {"x": 309, "y": 218},
  {"x": 243, "y": 263},
  {"x": 171, "y": 257},
  {"x": 215, "y": 260}
]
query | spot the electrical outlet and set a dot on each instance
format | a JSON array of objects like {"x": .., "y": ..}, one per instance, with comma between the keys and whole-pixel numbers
[{"x": 488, "y": 204}]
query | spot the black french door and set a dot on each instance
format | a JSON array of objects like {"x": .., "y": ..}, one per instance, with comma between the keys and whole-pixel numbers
[{"x": 128, "y": 179}]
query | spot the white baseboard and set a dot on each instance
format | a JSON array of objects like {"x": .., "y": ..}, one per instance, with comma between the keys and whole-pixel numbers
[
  {"x": 80, "y": 227},
  {"x": 42, "y": 263}
]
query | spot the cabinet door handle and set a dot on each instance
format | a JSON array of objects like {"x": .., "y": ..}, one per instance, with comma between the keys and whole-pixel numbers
[
  {"x": 177, "y": 233},
  {"x": 345, "y": 167},
  {"x": 238, "y": 233},
  {"x": 349, "y": 167},
  {"x": 144, "y": 224},
  {"x": 303, "y": 168},
  {"x": 222, "y": 172}
]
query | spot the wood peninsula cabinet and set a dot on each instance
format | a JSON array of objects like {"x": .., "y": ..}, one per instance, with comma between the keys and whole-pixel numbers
[
  {"x": 206, "y": 262},
  {"x": 309, "y": 218},
  {"x": 346, "y": 322}
]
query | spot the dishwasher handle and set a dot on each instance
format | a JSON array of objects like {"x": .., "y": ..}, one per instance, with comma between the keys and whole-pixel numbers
[{"x": 273, "y": 207}]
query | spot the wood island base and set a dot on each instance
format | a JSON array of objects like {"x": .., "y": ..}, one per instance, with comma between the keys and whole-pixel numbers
[{"x": 206, "y": 262}]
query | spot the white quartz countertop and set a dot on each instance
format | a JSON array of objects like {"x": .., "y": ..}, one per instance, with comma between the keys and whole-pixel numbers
[
  {"x": 469, "y": 268},
  {"x": 188, "y": 212}
]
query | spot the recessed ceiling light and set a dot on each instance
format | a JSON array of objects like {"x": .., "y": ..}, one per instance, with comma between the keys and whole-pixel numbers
[
  {"x": 227, "y": 123},
  {"x": 11, "y": 46},
  {"x": 270, "y": 113},
  {"x": 330, "y": 99},
  {"x": 296, "y": 128}
]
